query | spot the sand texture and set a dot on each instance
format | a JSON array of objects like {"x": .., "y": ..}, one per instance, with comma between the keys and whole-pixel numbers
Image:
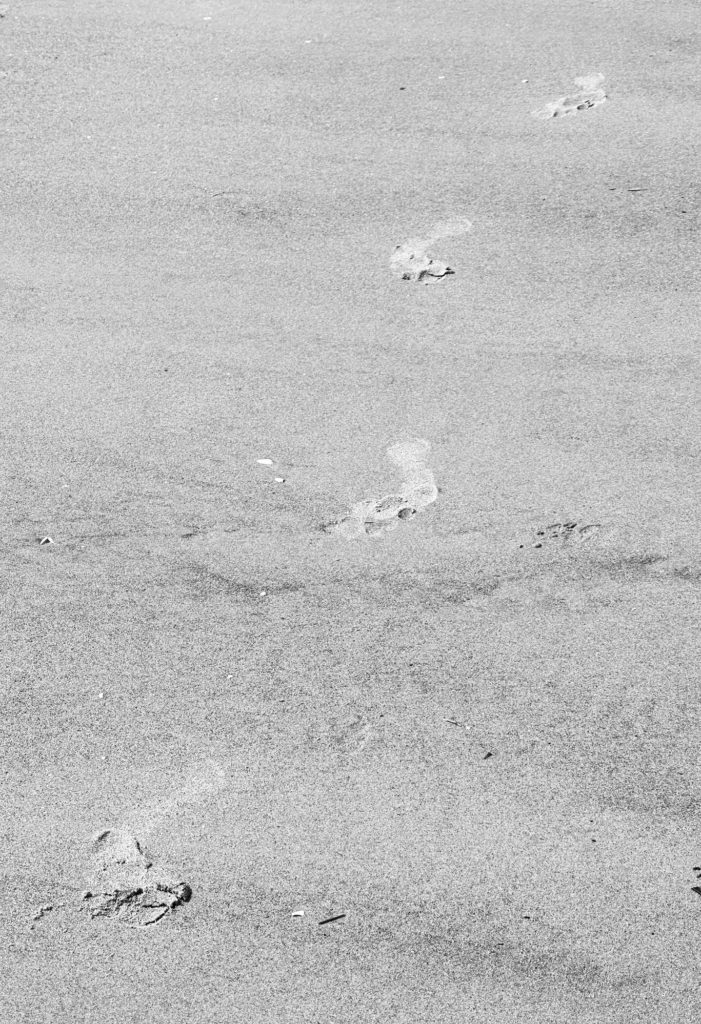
[{"x": 360, "y": 601}]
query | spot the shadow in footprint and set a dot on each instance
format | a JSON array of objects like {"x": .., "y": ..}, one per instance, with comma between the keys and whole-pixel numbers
[
  {"x": 378, "y": 515},
  {"x": 590, "y": 94},
  {"x": 566, "y": 533},
  {"x": 126, "y": 884},
  {"x": 411, "y": 262}
]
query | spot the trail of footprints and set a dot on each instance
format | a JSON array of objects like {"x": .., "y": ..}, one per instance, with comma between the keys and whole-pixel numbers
[
  {"x": 127, "y": 885},
  {"x": 411, "y": 261}
]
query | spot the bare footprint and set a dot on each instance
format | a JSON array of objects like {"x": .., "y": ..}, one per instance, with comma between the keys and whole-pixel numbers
[
  {"x": 410, "y": 261},
  {"x": 590, "y": 94},
  {"x": 127, "y": 885},
  {"x": 569, "y": 533},
  {"x": 380, "y": 515},
  {"x": 198, "y": 785}
]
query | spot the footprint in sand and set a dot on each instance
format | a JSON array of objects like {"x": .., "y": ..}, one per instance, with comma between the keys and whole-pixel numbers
[
  {"x": 410, "y": 261},
  {"x": 126, "y": 884},
  {"x": 199, "y": 784},
  {"x": 590, "y": 94},
  {"x": 569, "y": 533},
  {"x": 379, "y": 515}
]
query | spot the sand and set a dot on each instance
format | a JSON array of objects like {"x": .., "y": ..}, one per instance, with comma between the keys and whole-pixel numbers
[{"x": 475, "y": 734}]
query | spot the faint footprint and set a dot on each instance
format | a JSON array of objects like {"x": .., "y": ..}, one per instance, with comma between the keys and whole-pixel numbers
[
  {"x": 352, "y": 734},
  {"x": 410, "y": 261},
  {"x": 384, "y": 514},
  {"x": 571, "y": 532},
  {"x": 198, "y": 785},
  {"x": 590, "y": 94},
  {"x": 127, "y": 886}
]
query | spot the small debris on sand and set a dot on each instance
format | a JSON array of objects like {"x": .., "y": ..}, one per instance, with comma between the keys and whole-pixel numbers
[
  {"x": 264, "y": 462},
  {"x": 45, "y": 540},
  {"x": 329, "y": 920},
  {"x": 297, "y": 913}
]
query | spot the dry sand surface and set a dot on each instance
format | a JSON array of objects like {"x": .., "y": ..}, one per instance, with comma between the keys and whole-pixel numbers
[{"x": 341, "y": 681}]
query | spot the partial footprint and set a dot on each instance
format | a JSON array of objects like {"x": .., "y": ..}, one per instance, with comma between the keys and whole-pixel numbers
[
  {"x": 419, "y": 483},
  {"x": 352, "y": 734},
  {"x": 410, "y": 261},
  {"x": 198, "y": 785},
  {"x": 570, "y": 532},
  {"x": 590, "y": 94},
  {"x": 380, "y": 515},
  {"x": 127, "y": 886}
]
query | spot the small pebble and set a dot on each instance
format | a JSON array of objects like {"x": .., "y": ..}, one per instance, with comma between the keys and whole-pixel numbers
[
  {"x": 279, "y": 479},
  {"x": 46, "y": 540},
  {"x": 264, "y": 462},
  {"x": 298, "y": 913}
]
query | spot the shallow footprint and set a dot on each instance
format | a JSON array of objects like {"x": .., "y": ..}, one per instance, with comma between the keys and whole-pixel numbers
[
  {"x": 410, "y": 261},
  {"x": 570, "y": 532},
  {"x": 379, "y": 515},
  {"x": 590, "y": 94},
  {"x": 126, "y": 884},
  {"x": 412, "y": 264}
]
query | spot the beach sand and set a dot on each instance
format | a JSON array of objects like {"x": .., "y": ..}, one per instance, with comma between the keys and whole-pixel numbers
[{"x": 473, "y": 734}]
